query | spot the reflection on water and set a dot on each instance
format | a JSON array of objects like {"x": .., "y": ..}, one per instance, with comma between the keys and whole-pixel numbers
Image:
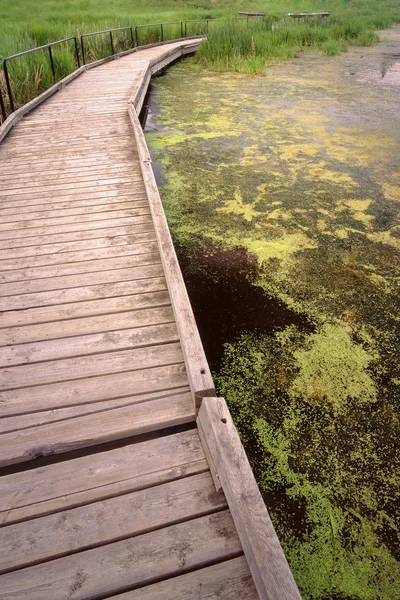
[
  {"x": 283, "y": 193},
  {"x": 388, "y": 74}
]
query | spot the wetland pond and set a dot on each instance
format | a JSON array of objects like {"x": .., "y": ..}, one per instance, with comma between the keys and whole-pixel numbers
[{"x": 282, "y": 193}]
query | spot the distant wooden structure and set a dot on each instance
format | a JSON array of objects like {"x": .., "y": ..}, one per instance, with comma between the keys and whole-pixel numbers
[
  {"x": 250, "y": 14},
  {"x": 308, "y": 15},
  {"x": 122, "y": 474}
]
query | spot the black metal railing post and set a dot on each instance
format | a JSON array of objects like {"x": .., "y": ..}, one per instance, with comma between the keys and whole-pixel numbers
[
  {"x": 83, "y": 51},
  {"x": 162, "y": 32},
  {"x": 78, "y": 62},
  {"x": 132, "y": 38},
  {"x": 8, "y": 85},
  {"x": 112, "y": 43},
  {"x": 2, "y": 107},
  {"x": 52, "y": 63}
]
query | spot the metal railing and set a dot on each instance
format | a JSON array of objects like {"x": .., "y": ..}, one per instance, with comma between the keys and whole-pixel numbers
[
  {"x": 2, "y": 108},
  {"x": 160, "y": 25},
  {"x": 80, "y": 51},
  {"x": 206, "y": 21},
  {"x": 110, "y": 32},
  {"x": 49, "y": 46}
]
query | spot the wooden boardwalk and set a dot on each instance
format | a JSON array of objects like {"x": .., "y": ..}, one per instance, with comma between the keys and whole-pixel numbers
[{"x": 106, "y": 491}]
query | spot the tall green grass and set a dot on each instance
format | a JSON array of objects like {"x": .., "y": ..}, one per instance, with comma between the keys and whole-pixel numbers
[
  {"x": 249, "y": 47},
  {"x": 233, "y": 45}
]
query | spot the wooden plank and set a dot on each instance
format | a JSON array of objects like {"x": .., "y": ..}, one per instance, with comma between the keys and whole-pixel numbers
[
  {"x": 77, "y": 262},
  {"x": 94, "y": 429},
  {"x": 26, "y": 237},
  {"x": 107, "y": 521},
  {"x": 21, "y": 207},
  {"x": 22, "y": 228},
  {"x": 121, "y": 227},
  {"x": 42, "y": 373},
  {"x": 51, "y": 265},
  {"x": 81, "y": 263},
  {"x": 81, "y": 345},
  {"x": 87, "y": 479},
  {"x": 229, "y": 580},
  {"x": 27, "y": 421},
  {"x": 199, "y": 373},
  {"x": 136, "y": 283},
  {"x": 117, "y": 267},
  {"x": 27, "y": 256},
  {"x": 46, "y": 191},
  {"x": 103, "y": 187},
  {"x": 128, "y": 563},
  {"x": 142, "y": 313},
  {"x": 267, "y": 562},
  {"x": 18, "y": 215},
  {"x": 93, "y": 389}
]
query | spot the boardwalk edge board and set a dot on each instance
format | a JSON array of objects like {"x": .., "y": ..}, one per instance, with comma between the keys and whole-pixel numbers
[
  {"x": 268, "y": 565},
  {"x": 200, "y": 379}
]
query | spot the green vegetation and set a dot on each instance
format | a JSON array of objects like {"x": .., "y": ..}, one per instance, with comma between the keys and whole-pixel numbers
[{"x": 232, "y": 45}]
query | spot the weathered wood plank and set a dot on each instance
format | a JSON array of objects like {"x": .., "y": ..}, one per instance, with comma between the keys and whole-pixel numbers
[
  {"x": 118, "y": 315},
  {"x": 129, "y": 563},
  {"x": 229, "y": 580},
  {"x": 113, "y": 270},
  {"x": 22, "y": 228},
  {"x": 93, "y": 389},
  {"x": 22, "y": 208},
  {"x": 94, "y": 429},
  {"x": 26, "y": 237},
  {"x": 42, "y": 373},
  {"x": 26, "y": 421},
  {"x": 107, "y": 521},
  {"x": 267, "y": 562},
  {"x": 83, "y": 480},
  {"x": 122, "y": 227},
  {"x": 132, "y": 281},
  {"x": 80, "y": 345},
  {"x": 19, "y": 216},
  {"x": 37, "y": 255},
  {"x": 75, "y": 263}
]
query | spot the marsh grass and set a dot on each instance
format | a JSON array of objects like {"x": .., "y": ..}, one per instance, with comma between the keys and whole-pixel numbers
[
  {"x": 249, "y": 47},
  {"x": 232, "y": 44}
]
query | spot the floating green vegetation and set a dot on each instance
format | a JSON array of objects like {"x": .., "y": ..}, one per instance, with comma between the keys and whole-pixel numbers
[{"x": 296, "y": 168}]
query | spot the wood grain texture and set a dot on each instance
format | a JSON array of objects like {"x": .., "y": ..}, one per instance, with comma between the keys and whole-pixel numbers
[
  {"x": 83, "y": 480},
  {"x": 130, "y": 563},
  {"x": 229, "y": 580},
  {"x": 30, "y": 420},
  {"x": 267, "y": 562},
  {"x": 77, "y": 529},
  {"x": 93, "y": 429},
  {"x": 92, "y": 389}
]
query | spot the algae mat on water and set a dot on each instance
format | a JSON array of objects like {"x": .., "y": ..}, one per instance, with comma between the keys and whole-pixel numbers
[{"x": 299, "y": 171}]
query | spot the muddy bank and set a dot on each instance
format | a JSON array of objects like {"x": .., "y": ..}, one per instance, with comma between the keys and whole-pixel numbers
[{"x": 282, "y": 193}]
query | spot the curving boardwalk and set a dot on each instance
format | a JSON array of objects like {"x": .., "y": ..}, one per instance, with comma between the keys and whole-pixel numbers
[{"x": 105, "y": 488}]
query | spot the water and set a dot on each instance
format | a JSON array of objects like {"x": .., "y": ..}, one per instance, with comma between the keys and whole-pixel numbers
[{"x": 282, "y": 193}]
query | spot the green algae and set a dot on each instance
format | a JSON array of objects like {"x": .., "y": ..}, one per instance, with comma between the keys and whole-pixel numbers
[
  {"x": 333, "y": 369},
  {"x": 314, "y": 198},
  {"x": 335, "y": 509}
]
